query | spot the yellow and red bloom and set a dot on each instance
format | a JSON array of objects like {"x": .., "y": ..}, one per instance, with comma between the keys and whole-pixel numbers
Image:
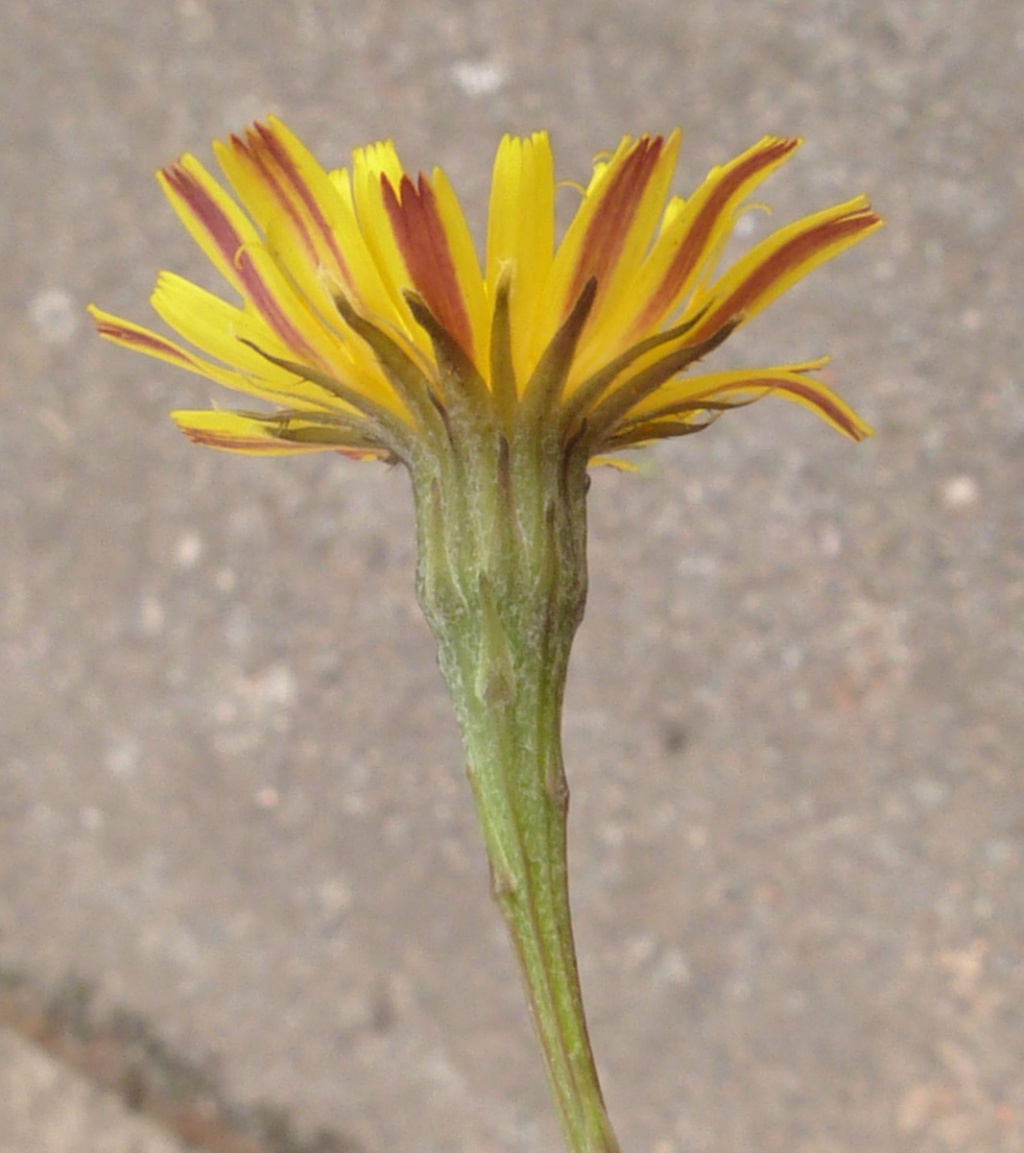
[
  {"x": 365, "y": 309},
  {"x": 367, "y": 320}
]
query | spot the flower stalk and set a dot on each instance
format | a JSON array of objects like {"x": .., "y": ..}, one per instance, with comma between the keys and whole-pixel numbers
[{"x": 502, "y": 581}]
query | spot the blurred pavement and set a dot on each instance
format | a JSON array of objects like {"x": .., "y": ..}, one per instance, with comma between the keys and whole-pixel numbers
[{"x": 45, "y": 1107}]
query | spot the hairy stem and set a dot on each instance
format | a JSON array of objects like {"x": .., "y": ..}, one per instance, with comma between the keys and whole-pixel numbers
[{"x": 502, "y": 581}]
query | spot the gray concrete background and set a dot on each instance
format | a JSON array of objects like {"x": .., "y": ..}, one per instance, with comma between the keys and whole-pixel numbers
[
  {"x": 231, "y": 797},
  {"x": 47, "y": 1108}
]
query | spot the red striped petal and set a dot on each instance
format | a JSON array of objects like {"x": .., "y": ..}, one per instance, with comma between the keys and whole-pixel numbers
[
  {"x": 421, "y": 238},
  {"x": 694, "y": 248},
  {"x": 795, "y": 255},
  {"x": 608, "y": 229}
]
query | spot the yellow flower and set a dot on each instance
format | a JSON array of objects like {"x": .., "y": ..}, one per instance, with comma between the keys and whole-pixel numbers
[
  {"x": 367, "y": 320},
  {"x": 366, "y": 317}
]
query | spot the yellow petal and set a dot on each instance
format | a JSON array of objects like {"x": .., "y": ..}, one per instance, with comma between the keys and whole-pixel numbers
[
  {"x": 228, "y": 238},
  {"x": 615, "y": 220},
  {"x": 277, "y": 178},
  {"x": 607, "y": 334},
  {"x": 235, "y": 432},
  {"x": 213, "y": 219},
  {"x": 688, "y": 393},
  {"x": 370, "y": 166},
  {"x": 310, "y": 225},
  {"x": 278, "y": 435},
  {"x": 782, "y": 259},
  {"x": 134, "y": 336},
  {"x": 693, "y": 231},
  {"x": 521, "y": 237},
  {"x": 466, "y": 262},
  {"x": 219, "y": 329},
  {"x": 420, "y": 233}
]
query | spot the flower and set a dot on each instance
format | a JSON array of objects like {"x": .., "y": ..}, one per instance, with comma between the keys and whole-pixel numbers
[
  {"x": 368, "y": 321},
  {"x": 367, "y": 318}
]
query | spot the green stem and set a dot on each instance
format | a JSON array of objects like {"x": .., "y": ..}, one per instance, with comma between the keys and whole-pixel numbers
[
  {"x": 522, "y": 800},
  {"x": 502, "y": 581}
]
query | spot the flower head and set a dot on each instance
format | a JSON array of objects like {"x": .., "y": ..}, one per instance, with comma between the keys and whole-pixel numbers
[{"x": 367, "y": 318}]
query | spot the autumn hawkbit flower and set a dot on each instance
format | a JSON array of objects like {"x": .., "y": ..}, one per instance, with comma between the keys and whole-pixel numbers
[{"x": 370, "y": 325}]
